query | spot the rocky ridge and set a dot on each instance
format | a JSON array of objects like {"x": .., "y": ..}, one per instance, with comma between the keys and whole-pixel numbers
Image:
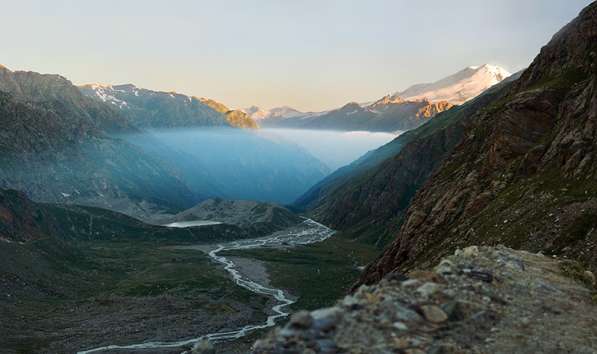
[
  {"x": 58, "y": 95},
  {"x": 479, "y": 300},
  {"x": 156, "y": 109},
  {"x": 386, "y": 114}
]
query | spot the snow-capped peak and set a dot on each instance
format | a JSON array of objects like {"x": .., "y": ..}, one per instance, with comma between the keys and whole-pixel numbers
[
  {"x": 118, "y": 95},
  {"x": 459, "y": 87},
  {"x": 497, "y": 71}
]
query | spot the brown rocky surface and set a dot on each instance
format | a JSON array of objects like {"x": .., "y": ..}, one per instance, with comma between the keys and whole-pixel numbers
[
  {"x": 234, "y": 117},
  {"x": 479, "y": 300}
]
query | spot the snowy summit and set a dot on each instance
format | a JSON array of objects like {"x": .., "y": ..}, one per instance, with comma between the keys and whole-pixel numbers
[{"x": 459, "y": 87}]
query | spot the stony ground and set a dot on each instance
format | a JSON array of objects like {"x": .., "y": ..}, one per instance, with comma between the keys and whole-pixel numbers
[{"x": 479, "y": 300}]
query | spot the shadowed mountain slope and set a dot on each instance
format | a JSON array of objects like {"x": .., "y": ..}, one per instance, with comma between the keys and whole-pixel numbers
[
  {"x": 57, "y": 147},
  {"x": 368, "y": 198}
]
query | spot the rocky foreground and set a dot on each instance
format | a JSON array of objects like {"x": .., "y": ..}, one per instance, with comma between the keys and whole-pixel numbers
[{"x": 479, "y": 300}]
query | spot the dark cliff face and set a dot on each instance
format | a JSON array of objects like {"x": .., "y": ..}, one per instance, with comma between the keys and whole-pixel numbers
[{"x": 524, "y": 174}]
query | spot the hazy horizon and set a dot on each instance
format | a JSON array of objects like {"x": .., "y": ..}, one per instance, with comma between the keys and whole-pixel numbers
[{"x": 310, "y": 55}]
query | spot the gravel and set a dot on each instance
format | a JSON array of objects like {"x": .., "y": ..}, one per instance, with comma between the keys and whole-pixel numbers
[{"x": 479, "y": 300}]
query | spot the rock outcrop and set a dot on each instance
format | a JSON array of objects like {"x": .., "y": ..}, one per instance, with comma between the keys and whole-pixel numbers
[
  {"x": 234, "y": 117},
  {"x": 479, "y": 300}
]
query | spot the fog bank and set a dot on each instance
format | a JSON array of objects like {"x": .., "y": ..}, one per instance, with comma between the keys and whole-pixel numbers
[
  {"x": 333, "y": 148},
  {"x": 233, "y": 163}
]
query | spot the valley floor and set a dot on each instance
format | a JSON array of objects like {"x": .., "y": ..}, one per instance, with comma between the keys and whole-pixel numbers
[
  {"x": 126, "y": 292},
  {"x": 100, "y": 293}
]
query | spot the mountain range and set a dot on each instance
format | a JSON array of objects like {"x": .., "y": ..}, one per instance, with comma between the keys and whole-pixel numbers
[
  {"x": 386, "y": 115},
  {"x": 98, "y": 146},
  {"x": 400, "y": 111},
  {"x": 147, "y": 108}
]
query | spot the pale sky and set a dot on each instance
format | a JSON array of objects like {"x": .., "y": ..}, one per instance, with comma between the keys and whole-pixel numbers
[{"x": 308, "y": 54}]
